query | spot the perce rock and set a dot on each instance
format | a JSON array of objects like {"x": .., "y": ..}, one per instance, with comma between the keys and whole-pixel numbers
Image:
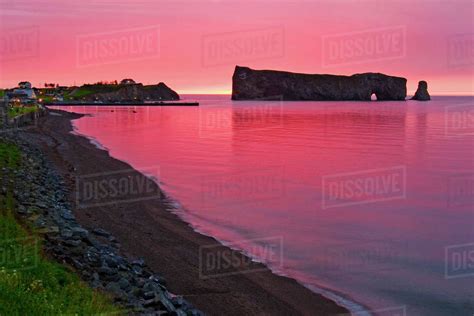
[{"x": 249, "y": 84}]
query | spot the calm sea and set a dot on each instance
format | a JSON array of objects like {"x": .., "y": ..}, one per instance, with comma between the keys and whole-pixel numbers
[{"x": 369, "y": 201}]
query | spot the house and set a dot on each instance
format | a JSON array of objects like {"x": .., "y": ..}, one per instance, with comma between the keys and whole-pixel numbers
[{"x": 24, "y": 94}]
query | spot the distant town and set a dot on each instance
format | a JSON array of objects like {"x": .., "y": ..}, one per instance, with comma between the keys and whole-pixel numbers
[
  {"x": 25, "y": 98},
  {"x": 25, "y": 94}
]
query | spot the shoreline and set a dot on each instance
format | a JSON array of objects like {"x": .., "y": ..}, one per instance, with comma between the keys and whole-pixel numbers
[
  {"x": 330, "y": 294},
  {"x": 41, "y": 208},
  {"x": 176, "y": 208},
  {"x": 169, "y": 245}
]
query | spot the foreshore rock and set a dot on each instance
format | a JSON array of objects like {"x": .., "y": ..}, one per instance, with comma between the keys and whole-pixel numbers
[
  {"x": 41, "y": 197},
  {"x": 421, "y": 93},
  {"x": 249, "y": 84}
]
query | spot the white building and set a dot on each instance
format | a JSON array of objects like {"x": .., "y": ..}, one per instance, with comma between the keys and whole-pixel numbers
[{"x": 23, "y": 94}]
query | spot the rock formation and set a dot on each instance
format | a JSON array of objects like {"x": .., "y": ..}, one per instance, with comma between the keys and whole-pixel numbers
[
  {"x": 249, "y": 84},
  {"x": 134, "y": 92},
  {"x": 421, "y": 93}
]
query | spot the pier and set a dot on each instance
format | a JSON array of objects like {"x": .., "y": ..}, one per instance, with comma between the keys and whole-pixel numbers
[{"x": 157, "y": 103}]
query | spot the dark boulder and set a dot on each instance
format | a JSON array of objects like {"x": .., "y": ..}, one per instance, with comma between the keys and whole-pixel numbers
[
  {"x": 249, "y": 84},
  {"x": 421, "y": 93}
]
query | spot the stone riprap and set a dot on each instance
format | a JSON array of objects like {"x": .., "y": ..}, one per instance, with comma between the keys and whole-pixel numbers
[{"x": 41, "y": 198}]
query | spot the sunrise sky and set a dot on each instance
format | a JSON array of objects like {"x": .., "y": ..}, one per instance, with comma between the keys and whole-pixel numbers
[{"x": 194, "y": 45}]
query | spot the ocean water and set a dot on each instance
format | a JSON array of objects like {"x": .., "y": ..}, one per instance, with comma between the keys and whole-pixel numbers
[{"x": 372, "y": 202}]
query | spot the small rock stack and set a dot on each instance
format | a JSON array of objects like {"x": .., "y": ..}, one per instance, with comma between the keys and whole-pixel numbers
[{"x": 421, "y": 93}]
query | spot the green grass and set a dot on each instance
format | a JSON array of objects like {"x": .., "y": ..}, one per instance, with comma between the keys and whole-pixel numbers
[
  {"x": 2, "y": 93},
  {"x": 30, "y": 284},
  {"x": 15, "y": 111},
  {"x": 9, "y": 156},
  {"x": 46, "y": 98},
  {"x": 89, "y": 89},
  {"x": 81, "y": 92}
]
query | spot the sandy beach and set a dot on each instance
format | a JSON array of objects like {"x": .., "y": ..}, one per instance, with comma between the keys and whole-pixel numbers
[{"x": 148, "y": 229}]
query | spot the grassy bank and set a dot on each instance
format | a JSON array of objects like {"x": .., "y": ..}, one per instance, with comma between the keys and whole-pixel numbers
[
  {"x": 90, "y": 89},
  {"x": 30, "y": 284},
  {"x": 16, "y": 111}
]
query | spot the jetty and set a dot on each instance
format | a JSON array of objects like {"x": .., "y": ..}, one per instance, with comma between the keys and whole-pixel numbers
[{"x": 132, "y": 103}]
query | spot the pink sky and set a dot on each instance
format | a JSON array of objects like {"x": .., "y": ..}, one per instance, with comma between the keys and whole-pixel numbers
[{"x": 194, "y": 45}]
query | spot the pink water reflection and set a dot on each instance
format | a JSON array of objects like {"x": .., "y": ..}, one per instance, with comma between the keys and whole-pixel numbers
[{"x": 245, "y": 170}]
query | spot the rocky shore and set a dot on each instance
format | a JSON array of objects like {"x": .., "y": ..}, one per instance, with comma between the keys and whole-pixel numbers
[
  {"x": 130, "y": 248},
  {"x": 41, "y": 197}
]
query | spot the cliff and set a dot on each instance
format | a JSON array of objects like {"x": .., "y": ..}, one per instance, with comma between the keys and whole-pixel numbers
[
  {"x": 249, "y": 84},
  {"x": 126, "y": 92}
]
